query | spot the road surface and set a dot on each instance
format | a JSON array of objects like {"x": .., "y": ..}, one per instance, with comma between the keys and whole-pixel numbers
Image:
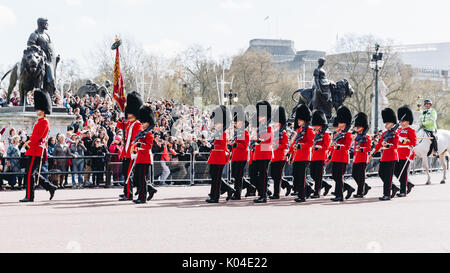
[{"x": 178, "y": 220}]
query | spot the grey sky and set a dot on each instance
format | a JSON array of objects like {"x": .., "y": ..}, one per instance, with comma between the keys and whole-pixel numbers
[{"x": 169, "y": 26}]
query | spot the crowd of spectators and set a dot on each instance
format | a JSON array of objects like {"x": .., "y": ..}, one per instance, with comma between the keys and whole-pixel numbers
[{"x": 181, "y": 134}]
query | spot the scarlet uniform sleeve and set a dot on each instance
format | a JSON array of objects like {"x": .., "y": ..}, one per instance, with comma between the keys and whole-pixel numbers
[
  {"x": 120, "y": 125},
  {"x": 365, "y": 147},
  {"x": 284, "y": 142},
  {"x": 243, "y": 143},
  {"x": 291, "y": 148},
  {"x": 309, "y": 139},
  {"x": 412, "y": 138},
  {"x": 326, "y": 141},
  {"x": 148, "y": 143},
  {"x": 379, "y": 145}
]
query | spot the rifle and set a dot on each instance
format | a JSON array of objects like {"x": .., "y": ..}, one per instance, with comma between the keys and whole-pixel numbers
[
  {"x": 361, "y": 138},
  {"x": 319, "y": 137},
  {"x": 298, "y": 138},
  {"x": 390, "y": 134},
  {"x": 142, "y": 134}
]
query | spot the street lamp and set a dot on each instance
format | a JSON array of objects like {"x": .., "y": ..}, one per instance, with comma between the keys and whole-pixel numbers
[
  {"x": 231, "y": 97},
  {"x": 377, "y": 64}
]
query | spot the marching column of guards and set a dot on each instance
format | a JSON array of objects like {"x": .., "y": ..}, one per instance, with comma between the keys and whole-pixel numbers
[{"x": 263, "y": 143}]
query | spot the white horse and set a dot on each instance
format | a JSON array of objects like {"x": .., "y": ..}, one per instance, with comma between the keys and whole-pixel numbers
[{"x": 423, "y": 147}]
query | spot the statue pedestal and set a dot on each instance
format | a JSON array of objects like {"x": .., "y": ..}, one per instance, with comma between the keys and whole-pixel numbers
[{"x": 18, "y": 119}]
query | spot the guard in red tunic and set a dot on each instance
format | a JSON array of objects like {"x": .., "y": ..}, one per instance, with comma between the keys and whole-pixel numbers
[
  {"x": 143, "y": 149},
  {"x": 342, "y": 141},
  {"x": 281, "y": 144},
  {"x": 362, "y": 147},
  {"x": 320, "y": 148},
  {"x": 407, "y": 143},
  {"x": 240, "y": 151},
  {"x": 300, "y": 150},
  {"x": 389, "y": 144},
  {"x": 220, "y": 155},
  {"x": 36, "y": 153},
  {"x": 263, "y": 149},
  {"x": 130, "y": 130}
]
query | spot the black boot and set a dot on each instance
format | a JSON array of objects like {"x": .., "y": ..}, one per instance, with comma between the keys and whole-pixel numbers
[
  {"x": 350, "y": 191},
  {"x": 52, "y": 191},
  {"x": 260, "y": 200},
  {"x": 275, "y": 197},
  {"x": 289, "y": 190},
  {"x": 410, "y": 187},
  {"x": 385, "y": 198},
  {"x": 151, "y": 194},
  {"x": 300, "y": 200},
  {"x": 395, "y": 190},
  {"x": 338, "y": 199},
  {"x": 212, "y": 201},
  {"x": 231, "y": 192},
  {"x": 367, "y": 188},
  {"x": 26, "y": 200},
  {"x": 327, "y": 187},
  {"x": 138, "y": 202}
]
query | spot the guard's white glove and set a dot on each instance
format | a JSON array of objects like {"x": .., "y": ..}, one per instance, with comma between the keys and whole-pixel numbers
[
  {"x": 133, "y": 156},
  {"x": 122, "y": 115}
]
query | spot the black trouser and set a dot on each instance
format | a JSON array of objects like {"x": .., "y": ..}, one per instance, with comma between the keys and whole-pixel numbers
[
  {"x": 215, "y": 172},
  {"x": 299, "y": 174},
  {"x": 316, "y": 172},
  {"x": 359, "y": 174},
  {"x": 126, "y": 171},
  {"x": 261, "y": 172},
  {"x": 403, "y": 165},
  {"x": 140, "y": 180},
  {"x": 237, "y": 172},
  {"x": 338, "y": 171},
  {"x": 434, "y": 144},
  {"x": 253, "y": 178},
  {"x": 386, "y": 173},
  {"x": 276, "y": 171},
  {"x": 32, "y": 170}
]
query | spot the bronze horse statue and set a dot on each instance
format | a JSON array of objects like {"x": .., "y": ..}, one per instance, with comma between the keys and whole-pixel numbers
[{"x": 340, "y": 91}]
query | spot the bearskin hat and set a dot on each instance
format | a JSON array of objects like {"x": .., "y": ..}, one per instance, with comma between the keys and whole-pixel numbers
[
  {"x": 319, "y": 118},
  {"x": 222, "y": 115},
  {"x": 389, "y": 116},
  {"x": 146, "y": 115},
  {"x": 406, "y": 114},
  {"x": 264, "y": 109},
  {"x": 279, "y": 115},
  {"x": 42, "y": 102},
  {"x": 362, "y": 120},
  {"x": 344, "y": 115},
  {"x": 134, "y": 103},
  {"x": 302, "y": 113}
]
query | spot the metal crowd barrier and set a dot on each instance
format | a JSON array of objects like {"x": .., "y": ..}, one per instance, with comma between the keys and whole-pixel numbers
[{"x": 192, "y": 171}]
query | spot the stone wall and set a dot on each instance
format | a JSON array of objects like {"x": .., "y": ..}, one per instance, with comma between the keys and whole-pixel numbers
[{"x": 16, "y": 118}]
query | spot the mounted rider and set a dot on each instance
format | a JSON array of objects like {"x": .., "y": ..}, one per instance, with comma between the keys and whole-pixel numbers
[
  {"x": 41, "y": 39},
  {"x": 428, "y": 122}
]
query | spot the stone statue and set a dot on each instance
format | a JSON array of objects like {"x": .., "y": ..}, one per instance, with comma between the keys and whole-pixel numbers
[
  {"x": 322, "y": 99},
  {"x": 40, "y": 38},
  {"x": 324, "y": 95},
  {"x": 92, "y": 89},
  {"x": 35, "y": 71}
]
